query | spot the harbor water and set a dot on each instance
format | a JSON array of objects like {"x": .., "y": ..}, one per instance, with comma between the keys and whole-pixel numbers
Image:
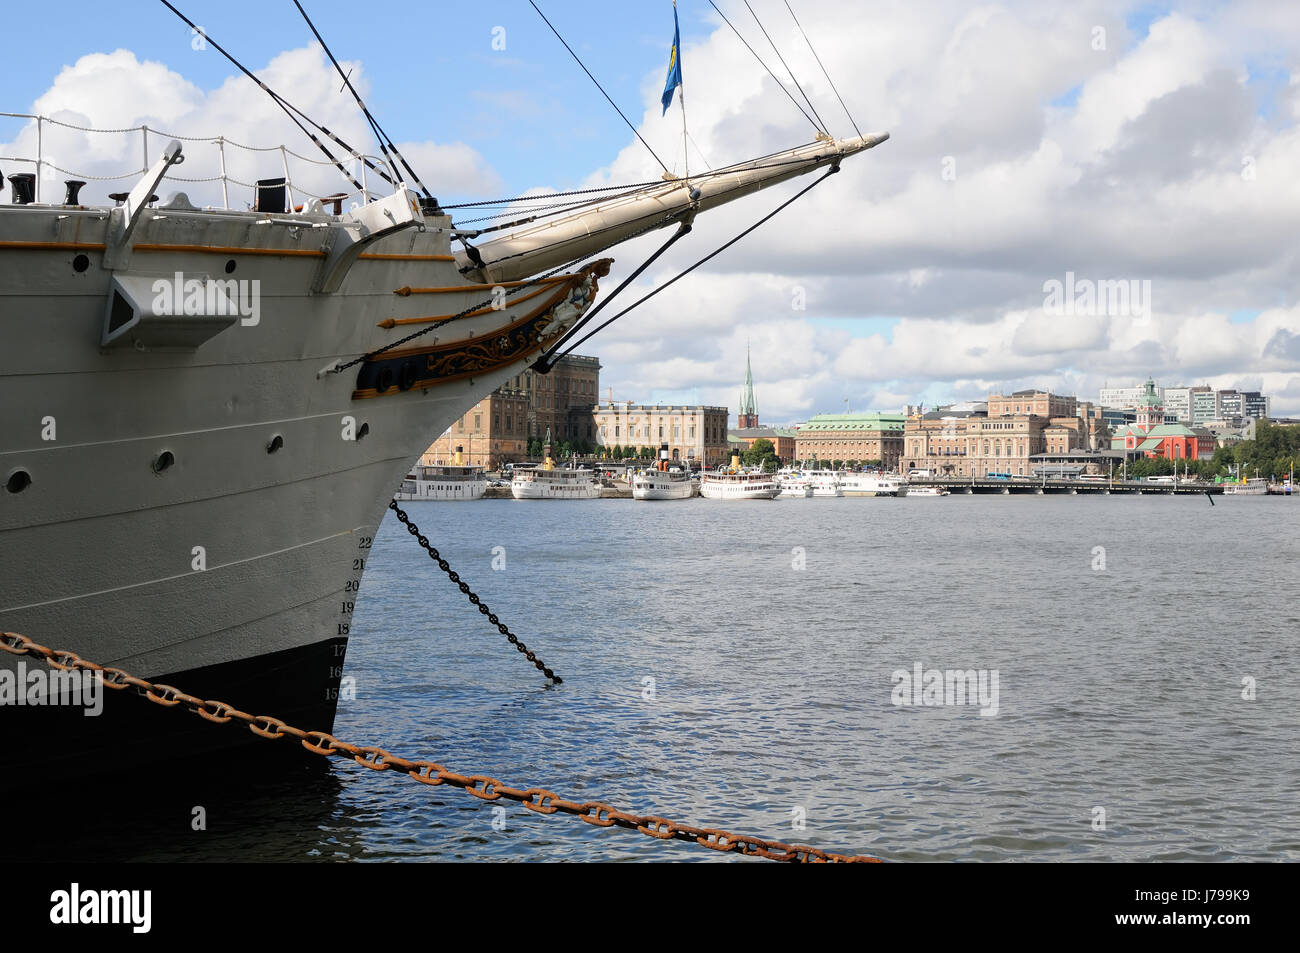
[{"x": 737, "y": 665}]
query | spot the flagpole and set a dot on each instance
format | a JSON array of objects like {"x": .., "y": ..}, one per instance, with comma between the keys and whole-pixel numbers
[
  {"x": 686, "y": 155},
  {"x": 681, "y": 92}
]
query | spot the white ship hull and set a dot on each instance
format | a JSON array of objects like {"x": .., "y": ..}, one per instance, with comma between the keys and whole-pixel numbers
[
  {"x": 523, "y": 488},
  {"x": 852, "y": 485},
  {"x": 192, "y": 496},
  {"x": 826, "y": 486},
  {"x": 715, "y": 488},
  {"x": 434, "y": 492},
  {"x": 1249, "y": 488},
  {"x": 442, "y": 483},
  {"x": 793, "y": 491},
  {"x": 655, "y": 487},
  {"x": 234, "y": 551}
]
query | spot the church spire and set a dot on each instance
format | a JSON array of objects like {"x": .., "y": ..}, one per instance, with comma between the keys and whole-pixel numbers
[{"x": 748, "y": 415}]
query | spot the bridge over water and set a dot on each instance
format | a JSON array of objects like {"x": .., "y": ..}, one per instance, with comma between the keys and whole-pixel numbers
[{"x": 1068, "y": 486}]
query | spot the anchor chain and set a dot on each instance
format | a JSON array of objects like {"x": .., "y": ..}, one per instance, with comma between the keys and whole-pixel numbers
[
  {"x": 470, "y": 594},
  {"x": 536, "y": 799}
]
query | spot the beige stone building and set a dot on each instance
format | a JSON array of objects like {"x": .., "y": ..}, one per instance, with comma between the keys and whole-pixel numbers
[
  {"x": 493, "y": 432},
  {"x": 842, "y": 437},
  {"x": 562, "y": 400},
  {"x": 498, "y": 428},
  {"x": 697, "y": 434},
  {"x": 974, "y": 441}
]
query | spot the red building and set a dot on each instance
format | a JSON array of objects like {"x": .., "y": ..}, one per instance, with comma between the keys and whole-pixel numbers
[{"x": 1152, "y": 438}]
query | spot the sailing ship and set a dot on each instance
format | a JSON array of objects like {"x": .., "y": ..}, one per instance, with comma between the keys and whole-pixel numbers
[
  {"x": 443, "y": 482},
  {"x": 243, "y": 462},
  {"x": 665, "y": 482}
]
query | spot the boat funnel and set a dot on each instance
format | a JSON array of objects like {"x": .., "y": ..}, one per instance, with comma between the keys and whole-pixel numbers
[
  {"x": 735, "y": 459},
  {"x": 460, "y": 456},
  {"x": 663, "y": 456}
]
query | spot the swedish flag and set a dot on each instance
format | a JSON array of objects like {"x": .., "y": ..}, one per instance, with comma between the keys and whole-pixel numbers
[{"x": 674, "y": 65}]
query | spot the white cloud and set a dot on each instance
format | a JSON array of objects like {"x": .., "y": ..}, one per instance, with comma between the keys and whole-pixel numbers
[
  {"x": 118, "y": 91},
  {"x": 1138, "y": 176}
]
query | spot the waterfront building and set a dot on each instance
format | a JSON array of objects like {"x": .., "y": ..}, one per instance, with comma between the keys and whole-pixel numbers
[
  {"x": 696, "y": 434},
  {"x": 871, "y": 436},
  {"x": 493, "y": 432},
  {"x": 1150, "y": 436},
  {"x": 560, "y": 401},
  {"x": 782, "y": 440},
  {"x": 1003, "y": 437},
  {"x": 498, "y": 428}
]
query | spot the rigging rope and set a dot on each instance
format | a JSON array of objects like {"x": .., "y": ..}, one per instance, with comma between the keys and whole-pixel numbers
[
  {"x": 787, "y": 67},
  {"x": 598, "y": 86},
  {"x": 824, "y": 72},
  {"x": 544, "y": 363},
  {"x": 374, "y": 123},
  {"x": 765, "y": 66},
  {"x": 713, "y": 254},
  {"x": 289, "y": 110}
]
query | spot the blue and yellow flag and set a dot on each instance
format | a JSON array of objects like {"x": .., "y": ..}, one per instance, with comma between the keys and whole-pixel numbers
[{"x": 674, "y": 66}]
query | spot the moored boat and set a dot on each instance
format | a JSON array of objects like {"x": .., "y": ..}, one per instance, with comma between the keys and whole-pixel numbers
[
  {"x": 549, "y": 482},
  {"x": 665, "y": 482},
  {"x": 443, "y": 482},
  {"x": 824, "y": 483},
  {"x": 794, "y": 484},
  {"x": 737, "y": 483},
  {"x": 1255, "y": 486},
  {"x": 918, "y": 490},
  {"x": 869, "y": 484}
]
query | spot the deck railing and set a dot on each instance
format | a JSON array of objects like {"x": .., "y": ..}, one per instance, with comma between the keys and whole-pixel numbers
[{"x": 45, "y": 165}]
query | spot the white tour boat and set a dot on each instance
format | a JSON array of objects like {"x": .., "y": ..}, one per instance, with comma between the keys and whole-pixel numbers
[
  {"x": 923, "y": 491},
  {"x": 664, "y": 482},
  {"x": 824, "y": 483},
  {"x": 737, "y": 484},
  {"x": 442, "y": 482},
  {"x": 794, "y": 485},
  {"x": 1256, "y": 486},
  {"x": 869, "y": 484},
  {"x": 549, "y": 482}
]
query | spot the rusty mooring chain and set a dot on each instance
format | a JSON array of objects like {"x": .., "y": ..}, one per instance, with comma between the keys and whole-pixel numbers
[
  {"x": 539, "y": 800},
  {"x": 470, "y": 594}
]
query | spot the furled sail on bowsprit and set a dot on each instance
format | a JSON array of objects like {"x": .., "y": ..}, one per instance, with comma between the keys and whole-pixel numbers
[{"x": 582, "y": 232}]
